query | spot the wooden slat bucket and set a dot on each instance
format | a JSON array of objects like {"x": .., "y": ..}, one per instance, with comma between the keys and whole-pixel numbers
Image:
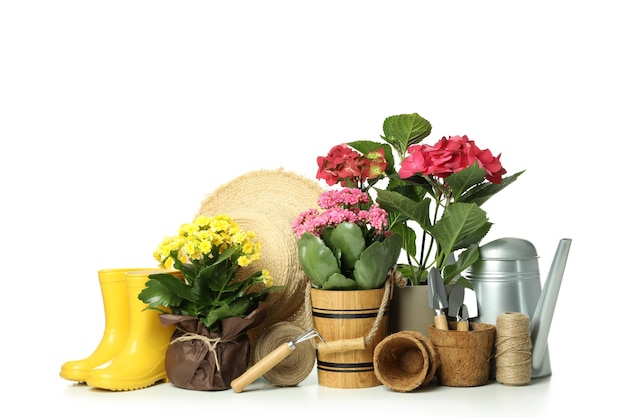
[{"x": 339, "y": 315}]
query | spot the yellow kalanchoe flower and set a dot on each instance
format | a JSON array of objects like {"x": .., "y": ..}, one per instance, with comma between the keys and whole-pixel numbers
[
  {"x": 195, "y": 251},
  {"x": 266, "y": 278}
]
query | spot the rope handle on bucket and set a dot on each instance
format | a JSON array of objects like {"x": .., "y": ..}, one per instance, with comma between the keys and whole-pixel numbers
[{"x": 345, "y": 345}]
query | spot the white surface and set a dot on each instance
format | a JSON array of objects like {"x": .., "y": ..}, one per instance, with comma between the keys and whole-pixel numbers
[
  {"x": 118, "y": 117},
  {"x": 493, "y": 399}
]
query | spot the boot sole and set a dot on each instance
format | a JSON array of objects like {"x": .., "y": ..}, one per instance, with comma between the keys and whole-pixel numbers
[
  {"x": 76, "y": 376},
  {"x": 113, "y": 385}
]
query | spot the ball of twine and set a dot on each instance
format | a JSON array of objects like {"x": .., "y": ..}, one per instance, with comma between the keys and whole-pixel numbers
[
  {"x": 513, "y": 348},
  {"x": 296, "y": 367}
]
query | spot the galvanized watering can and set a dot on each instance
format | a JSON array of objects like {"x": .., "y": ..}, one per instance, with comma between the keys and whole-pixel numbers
[{"x": 506, "y": 279}]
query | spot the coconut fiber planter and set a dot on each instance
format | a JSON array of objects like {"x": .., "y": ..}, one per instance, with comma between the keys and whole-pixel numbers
[
  {"x": 464, "y": 355},
  {"x": 405, "y": 361}
]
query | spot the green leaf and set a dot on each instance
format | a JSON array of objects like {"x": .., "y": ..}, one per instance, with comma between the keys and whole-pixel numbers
[
  {"x": 157, "y": 296},
  {"x": 417, "y": 188},
  {"x": 317, "y": 260},
  {"x": 459, "y": 221},
  {"x": 473, "y": 238},
  {"x": 408, "y": 238},
  {"x": 414, "y": 210},
  {"x": 339, "y": 282},
  {"x": 172, "y": 289},
  {"x": 466, "y": 259},
  {"x": 348, "y": 238},
  {"x": 484, "y": 192},
  {"x": 235, "y": 308},
  {"x": 465, "y": 179},
  {"x": 367, "y": 146},
  {"x": 371, "y": 270},
  {"x": 404, "y": 130}
]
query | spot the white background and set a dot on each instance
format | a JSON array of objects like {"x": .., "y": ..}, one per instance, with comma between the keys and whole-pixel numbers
[{"x": 117, "y": 118}]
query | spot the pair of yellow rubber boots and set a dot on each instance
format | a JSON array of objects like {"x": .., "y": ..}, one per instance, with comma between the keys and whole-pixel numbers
[{"x": 131, "y": 354}]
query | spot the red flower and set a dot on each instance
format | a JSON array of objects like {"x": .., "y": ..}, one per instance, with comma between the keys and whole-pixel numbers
[
  {"x": 375, "y": 165},
  {"x": 348, "y": 167},
  {"x": 448, "y": 156}
]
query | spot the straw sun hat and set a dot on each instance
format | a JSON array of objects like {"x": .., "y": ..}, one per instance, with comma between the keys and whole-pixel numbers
[{"x": 267, "y": 202}]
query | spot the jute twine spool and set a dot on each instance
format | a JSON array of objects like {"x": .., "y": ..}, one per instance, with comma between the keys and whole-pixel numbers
[
  {"x": 405, "y": 360},
  {"x": 296, "y": 367},
  {"x": 513, "y": 349}
]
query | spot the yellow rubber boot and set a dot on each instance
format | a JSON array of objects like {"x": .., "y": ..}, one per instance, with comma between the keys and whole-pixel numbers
[
  {"x": 141, "y": 363},
  {"x": 116, "y": 327}
]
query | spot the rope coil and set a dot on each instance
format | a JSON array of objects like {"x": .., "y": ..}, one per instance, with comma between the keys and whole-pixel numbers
[{"x": 297, "y": 366}]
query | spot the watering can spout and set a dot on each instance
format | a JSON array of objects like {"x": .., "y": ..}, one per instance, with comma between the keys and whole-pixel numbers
[{"x": 542, "y": 316}]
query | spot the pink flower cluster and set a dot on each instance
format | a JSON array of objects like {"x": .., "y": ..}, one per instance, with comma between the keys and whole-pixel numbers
[
  {"x": 448, "y": 156},
  {"x": 347, "y": 166},
  {"x": 341, "y": 206}
]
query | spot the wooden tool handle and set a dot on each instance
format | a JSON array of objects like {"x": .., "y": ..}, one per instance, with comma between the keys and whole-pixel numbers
[
  {"x": 441, "y": 322},
  {"x": 343, "y": 345},
  {"x": 462, "y": 326},
  {"x": 258, "y": 369}
]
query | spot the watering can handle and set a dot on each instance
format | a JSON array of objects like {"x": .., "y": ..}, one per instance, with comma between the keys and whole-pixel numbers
[{"x": 544, "y": 311}]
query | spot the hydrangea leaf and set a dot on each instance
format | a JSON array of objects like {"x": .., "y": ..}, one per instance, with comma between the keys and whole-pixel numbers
[
  {"x": 483, "y": 192},
  {"x": 461, "y": 181},
  {"x": 458, "y": 222},
  {"x": 404, "y": 130},
  {"x": 418, "y": 211}
]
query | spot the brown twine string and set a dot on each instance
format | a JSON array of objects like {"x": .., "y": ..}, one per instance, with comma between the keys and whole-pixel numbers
[
  {"x": 308, "y": 320},
  {"x": 379, "y": 315},
  {"x": 297, "y": 366},
  {"x": 381, "y": 311},
  {"x": 210, "y": 343},
  {"x": 513, "y": 348}
]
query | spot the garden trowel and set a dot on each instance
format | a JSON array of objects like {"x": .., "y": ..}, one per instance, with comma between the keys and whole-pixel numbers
[
  {"x": 437, "y": 299},
  {"x": 270, "y": 360},
  {"x": 462, "y": 306},
  {"x": 282, "y": 351}
]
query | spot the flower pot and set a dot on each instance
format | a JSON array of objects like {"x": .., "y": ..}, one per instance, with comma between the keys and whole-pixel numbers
[
  {"x": 339, "y": 315},
  {"x": 198, "y": 359},
  {"x": 464, "y": 356},
  {"x": 409, "y": 309},
  {"x": 405, "y": 361}
]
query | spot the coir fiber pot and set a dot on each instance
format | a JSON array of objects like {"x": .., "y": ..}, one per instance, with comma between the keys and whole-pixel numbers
[
  {"x": 464, "y": 355},
  {"x": 341, "y": 315},
  {"x": 405, "y": 361}
]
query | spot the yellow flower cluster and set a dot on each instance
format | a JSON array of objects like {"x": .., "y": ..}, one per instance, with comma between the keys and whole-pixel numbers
[
  {"x": 207, "y": 237},
  {"x": 266, "y": 278}
]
